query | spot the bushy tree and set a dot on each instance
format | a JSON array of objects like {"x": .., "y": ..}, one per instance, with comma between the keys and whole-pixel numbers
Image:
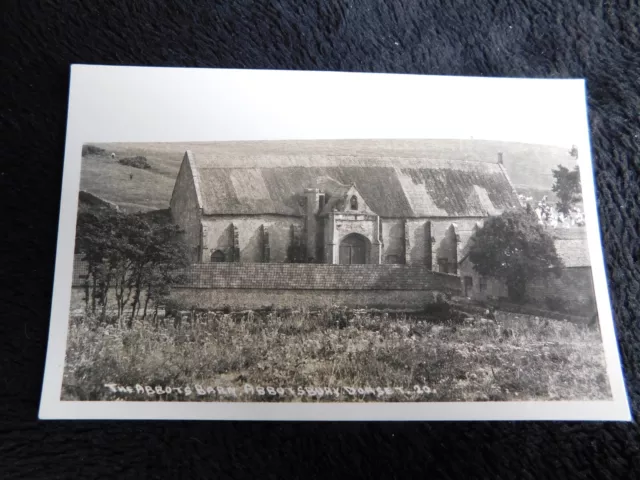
[
  {"x": 159, "y": 258},
  {"x": 574, "y": 152},
  {"x": 129, "y": 254},
  {"x": 515, "y": 248},
  {"x": 97, "y": 236},
  {"x": 566, "y": 187}
]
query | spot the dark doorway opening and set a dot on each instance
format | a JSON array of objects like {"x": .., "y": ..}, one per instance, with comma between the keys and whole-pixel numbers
[
  {"x": 353, "y": 250},
  {"x": 217, "y": 257},
  {"x": 468, "y": 286}
]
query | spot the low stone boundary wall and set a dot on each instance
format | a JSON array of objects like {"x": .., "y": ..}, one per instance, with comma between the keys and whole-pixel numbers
[
  {"x": 255, "y": 285},
  {"x": 258, "y": 298},
  {"x": 299, "y": 276}
]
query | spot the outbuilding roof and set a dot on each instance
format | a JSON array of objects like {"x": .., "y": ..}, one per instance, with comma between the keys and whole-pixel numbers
[
  {"x": 401, "y": 187},
  {"x": 574, "y": 252}
]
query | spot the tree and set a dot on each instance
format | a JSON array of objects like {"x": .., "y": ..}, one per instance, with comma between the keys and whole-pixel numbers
[
  {"x": 152, "y": 251},
  {"x": 128, "y": 254},
  {"x": 96, "y": 239},
  {"x": 515, "y": 248},
  {"x": 574, "y": 152},
  {"x": 164, "y": 274},
  {"x": 567, "y": 187},
  {"x": 161, "y": 256}
]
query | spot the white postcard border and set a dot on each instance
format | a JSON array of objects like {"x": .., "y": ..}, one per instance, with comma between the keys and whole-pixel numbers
[{"x": 143, "y": 104}]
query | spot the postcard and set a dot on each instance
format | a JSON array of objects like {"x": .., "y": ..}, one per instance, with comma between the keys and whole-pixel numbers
[{"x": 291, "y": 245}]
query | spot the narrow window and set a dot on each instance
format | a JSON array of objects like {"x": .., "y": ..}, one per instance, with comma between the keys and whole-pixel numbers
[{"x": 354, "y": 203}]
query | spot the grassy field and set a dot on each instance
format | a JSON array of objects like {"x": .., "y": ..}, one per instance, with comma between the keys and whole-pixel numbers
[
  {"x": 146, "y": 190},
  {"x": 312, "y": 356}
]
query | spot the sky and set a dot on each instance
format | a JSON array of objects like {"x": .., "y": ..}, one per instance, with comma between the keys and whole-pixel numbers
[{"x": 132, "y": 104}]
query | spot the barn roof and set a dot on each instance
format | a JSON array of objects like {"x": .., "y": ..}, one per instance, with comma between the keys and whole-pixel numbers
[
  {"x": 401, "y": 187},
  {"x": 573, "y": 252}
]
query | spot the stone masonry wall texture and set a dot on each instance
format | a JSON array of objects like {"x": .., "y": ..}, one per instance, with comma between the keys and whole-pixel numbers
[
  {"x": 319, "y": 277},
  {"x": 595, "y": 39},
  {"x": 185, "y": 209},
  {"x": 257, "y": 298},
  {"x": 249, "y": 235}
]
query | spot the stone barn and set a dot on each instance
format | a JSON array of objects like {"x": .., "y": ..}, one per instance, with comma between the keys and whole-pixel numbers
[
  {"x": 573, "y": 288},
  {"x": 334, "y": 208}
]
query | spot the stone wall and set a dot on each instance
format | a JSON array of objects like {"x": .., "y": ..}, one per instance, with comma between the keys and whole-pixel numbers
[
  {"x": 186, "y": 208},
  {"x": 574, "y": 287},
  {"x": 418, "y": 233},
  {"x": 255, "y": 285},
  {"x": 463, "y": 227},
  {"x": 393, "y": 240},
  {"x": 301, "y": 276},
  {"x": 217, "y": 236},
  {"x": 339, "y": 225},
  {"x": 256, "y": 298},
  {"x": 404, "y": 241},
  {"x": 480, "y": 288}
]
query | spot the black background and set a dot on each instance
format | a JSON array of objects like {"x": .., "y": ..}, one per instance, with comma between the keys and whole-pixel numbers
[{"x": 599, "y": 40}]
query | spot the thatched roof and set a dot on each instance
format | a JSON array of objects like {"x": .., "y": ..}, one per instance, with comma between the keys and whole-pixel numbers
[
  {"x": 574, "y": 252},
  {"x": 398, "y": 187},
  {"x": 571, "y": 245}
]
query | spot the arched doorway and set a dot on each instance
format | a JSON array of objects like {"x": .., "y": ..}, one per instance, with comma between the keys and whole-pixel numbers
[
  {"x": 217, "y": 257},
  {"x": 353, "y": 250}
]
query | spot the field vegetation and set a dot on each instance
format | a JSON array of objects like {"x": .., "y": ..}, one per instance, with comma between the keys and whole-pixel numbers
[
  {"x": 421, "y": 357},
  {"x": 134, "y": 186}
]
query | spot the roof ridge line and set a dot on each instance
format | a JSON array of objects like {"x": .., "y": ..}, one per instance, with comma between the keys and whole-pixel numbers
[{"x": 454, "y": 161}]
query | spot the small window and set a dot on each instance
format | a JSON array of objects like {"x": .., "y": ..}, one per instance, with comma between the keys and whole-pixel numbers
[
  {"x": 354, "y": 203},
  {"x": 483, "y": 284},
  {"x": 217, "y": 257}
]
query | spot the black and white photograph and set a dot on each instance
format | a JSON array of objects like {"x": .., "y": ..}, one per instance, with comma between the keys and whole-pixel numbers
[{"x": 353, "y": 270}]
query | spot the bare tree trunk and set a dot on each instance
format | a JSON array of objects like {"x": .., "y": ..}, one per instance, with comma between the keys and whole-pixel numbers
[
  {"x": 154, "y": 321},
  {"x": 93, "y": 294},
  {"x": 86, "y": 296},
  {"x": 118, "y": 294},
  {"x": 136, "y": 301},
  {"x": 126, "y": 298},
  {"x": 105, "y": 298},
  {"x": 146, "y": 302}
]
